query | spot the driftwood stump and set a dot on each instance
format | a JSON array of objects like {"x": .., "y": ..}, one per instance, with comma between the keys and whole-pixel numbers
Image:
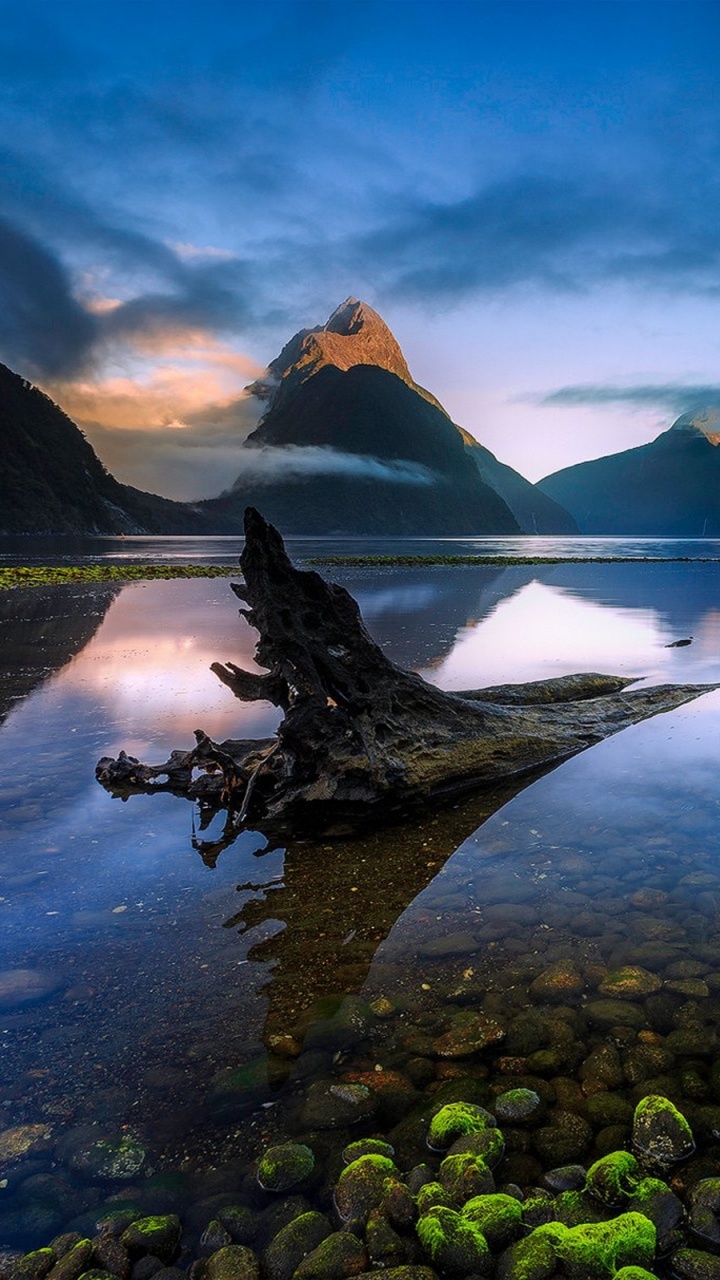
[{"x": 363, "y": 741}]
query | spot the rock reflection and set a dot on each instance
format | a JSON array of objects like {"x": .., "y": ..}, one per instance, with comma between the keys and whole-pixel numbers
[{"x": 335, "y": 905}]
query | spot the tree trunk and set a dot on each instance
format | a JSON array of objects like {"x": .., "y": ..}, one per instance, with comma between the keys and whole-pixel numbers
[{"x": 362, "y": 740}]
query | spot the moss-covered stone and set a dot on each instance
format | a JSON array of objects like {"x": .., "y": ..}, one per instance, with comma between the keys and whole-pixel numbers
[
  {"x": 629, "y": 982},
  {"x": 454, "y": 1244},
  {"x": 432, "y": 1195},
  {"x": 35, "y": 1265},
  {"x": 498, "y": 1216},
  {"x": 385, "y": 1247},
  {"x": 454, "y": 1121},
  {"x": 74, "y": 1262},
  {"x": 695, "y": 1264},
  {"x": 489, "y": 1144},
  {"x": 291, "y": 1245},
  {"x": 655, "y": 1199},
  {"x": 362, "y": 1186},
  {"x": 159, "y": 1235},
  {"x": 661, "y": 1135},
  {"x": 634, "y": 1273},
  {"x": 367, "y": 1147},
  {"x": 285, "y": 1166},
  {"x": 465, "y": 1176},
  {"x": 595, "y": 1251},
  {"x": 530, "y": 1259},
  {"x": 340, "y": 1254},
  {"x": 233, "y": 1262},
  {"x": 613, "y": 1178}
]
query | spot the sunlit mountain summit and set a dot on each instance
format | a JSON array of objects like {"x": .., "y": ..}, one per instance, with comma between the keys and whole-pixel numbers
[
  {"x": 350, "y": 443},
  {"x": 669, "y": 487}
]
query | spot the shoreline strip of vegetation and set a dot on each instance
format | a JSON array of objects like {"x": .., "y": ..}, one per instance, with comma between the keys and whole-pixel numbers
[
  {"x": 48, "y": 575},
  {"x": 406, "y": 561},
  {"x": 44, "y": 575}
]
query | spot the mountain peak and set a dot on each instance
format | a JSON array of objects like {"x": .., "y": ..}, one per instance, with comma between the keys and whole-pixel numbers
[
  {"x": 705, "y": 422},
  {"x": 351, "y": 316},
  {"x": 354, "y": 334}
]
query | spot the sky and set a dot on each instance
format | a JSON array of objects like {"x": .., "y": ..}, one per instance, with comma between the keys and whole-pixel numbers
[{"x": 526, "y": 190}]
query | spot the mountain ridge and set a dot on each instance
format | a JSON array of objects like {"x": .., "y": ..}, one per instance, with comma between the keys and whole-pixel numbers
[{"x": 668, "y": 487}]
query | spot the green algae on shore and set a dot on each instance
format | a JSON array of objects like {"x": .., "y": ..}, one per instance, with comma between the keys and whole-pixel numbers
[
  {"x": 423, "y": 562},
  {"x": 49, "y": 575}
]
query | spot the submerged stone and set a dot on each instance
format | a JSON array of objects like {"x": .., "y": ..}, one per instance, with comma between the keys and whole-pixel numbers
[
  {"x": 334, "y": 1105},
  {"x": 558, "y": 981},
  {"x": 517, "y": 1106},
  {"x": 695, "y": 1264},
  {"x": 233, "y": 1262},
  {"x": 628, "y": 982},
  {"x": 704, "y": 1211},
  {"x": 469, "y": 1033},
  {"x": 19, "y": 987}
]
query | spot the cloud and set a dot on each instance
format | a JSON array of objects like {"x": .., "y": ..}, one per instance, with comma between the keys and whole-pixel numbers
[
  {"x": 675, "y": 397},
  {"x": 42, "y": 325},
  {"x": 269, "y": 464}
]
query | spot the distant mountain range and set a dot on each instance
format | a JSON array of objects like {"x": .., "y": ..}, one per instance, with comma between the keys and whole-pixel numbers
[{"x": 669, "y": 487}]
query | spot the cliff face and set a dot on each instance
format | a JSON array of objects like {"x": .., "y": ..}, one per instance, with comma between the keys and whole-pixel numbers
[{"x": 670, "y": 487}]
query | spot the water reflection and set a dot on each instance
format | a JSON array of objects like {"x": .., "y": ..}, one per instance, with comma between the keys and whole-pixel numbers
[
  {"x": 41, "y": 631},
  {"x": 112, "y": 901}
]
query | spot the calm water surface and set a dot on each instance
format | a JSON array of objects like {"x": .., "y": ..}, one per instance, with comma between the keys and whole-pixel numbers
[{"x": 152, "y": 999}]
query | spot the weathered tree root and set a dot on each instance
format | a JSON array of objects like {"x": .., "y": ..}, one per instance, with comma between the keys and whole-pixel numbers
[{"x": 364, "y": 741}]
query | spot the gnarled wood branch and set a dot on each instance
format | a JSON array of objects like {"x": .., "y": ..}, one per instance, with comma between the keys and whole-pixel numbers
[{"x": 362, "y": 740}]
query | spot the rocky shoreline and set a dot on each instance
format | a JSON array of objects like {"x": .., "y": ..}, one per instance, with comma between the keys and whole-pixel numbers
[{"x": 430, "y": 1201}]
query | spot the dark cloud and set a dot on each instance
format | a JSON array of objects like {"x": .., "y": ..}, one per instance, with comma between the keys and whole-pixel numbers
[
  {"x": 675, "y": 397},
  {"x": 43, "y": 327}
]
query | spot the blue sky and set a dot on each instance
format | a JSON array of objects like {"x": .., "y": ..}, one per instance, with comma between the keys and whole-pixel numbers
[{"x": 527, "y": 192}]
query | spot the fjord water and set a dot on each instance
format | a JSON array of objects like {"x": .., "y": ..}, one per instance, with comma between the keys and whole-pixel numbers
[{"x": 141, "y": 985}]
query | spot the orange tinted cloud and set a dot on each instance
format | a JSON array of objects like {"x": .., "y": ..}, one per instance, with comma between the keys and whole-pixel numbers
[{"x": 173, "y": 417}]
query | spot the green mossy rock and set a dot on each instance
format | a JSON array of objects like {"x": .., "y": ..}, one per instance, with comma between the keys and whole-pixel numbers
[
  {"x": 293, "y": 1244},
  {"x": 74, "y": 1262},
  {"x": 35, "y": 1265},
  {"x": 530, "y": 1259},
  {"x": 629, "y": 982},
  {"x": 433, "y": 1196},
  {"x": 695, "y": 1264},
  {"x": 465, "y": 1176},
  {"x": 595, "y": 1251},
  {"x": 159, "y": 1236},
  {"x": 233, "y": 1262},
  {"x": 661, "y": 1135},
  {"x": 362, "y": 1186},
  {"x": 285, "y": 1166},
  {"x": 367, "y": 1147},
  {"x": 454, "y": 1245},
  {"x": 498, "y": 1216},
  {"x": 634, "y": 1273},
  {"x": 340, "y": 1254},
  {"x": 613, "y": 1178},
  {"x": 455, "y": 1120}
]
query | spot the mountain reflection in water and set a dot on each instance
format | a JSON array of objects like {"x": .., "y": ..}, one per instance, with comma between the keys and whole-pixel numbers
[{"x": 113, "y": 902}]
